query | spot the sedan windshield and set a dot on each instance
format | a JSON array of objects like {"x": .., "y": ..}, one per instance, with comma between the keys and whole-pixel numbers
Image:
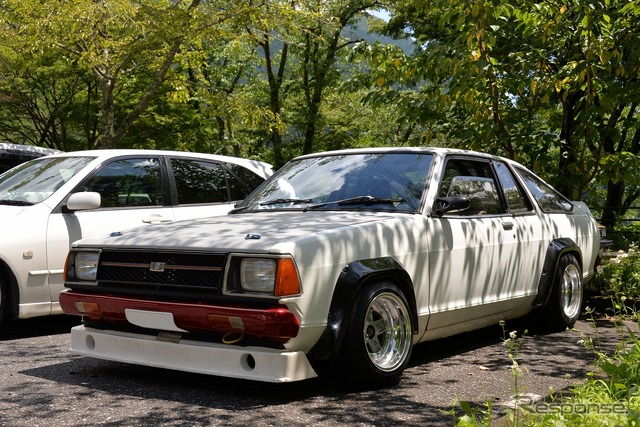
[
  {"x": 372, "y": 181},
  {"x": 34, "y": 181}
]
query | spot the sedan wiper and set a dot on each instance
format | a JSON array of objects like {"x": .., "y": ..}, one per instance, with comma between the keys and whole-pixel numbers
[
  {"x": 15, "y": 203},
  {"x": 360, "y": 200},
  {"x": 279, "y": 201}
]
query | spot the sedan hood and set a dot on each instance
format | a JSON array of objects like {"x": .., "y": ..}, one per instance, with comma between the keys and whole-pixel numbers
[
  {"x": 248, "y": 231},
  {"x": 8, "y": 211}
]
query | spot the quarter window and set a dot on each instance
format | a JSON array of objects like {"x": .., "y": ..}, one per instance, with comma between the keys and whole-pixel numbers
[
  {"x": 517, "y": 202},
  {"x": 548, "y": 199}
]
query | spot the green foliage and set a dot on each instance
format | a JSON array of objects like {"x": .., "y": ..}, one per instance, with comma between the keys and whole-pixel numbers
[{"x": 620, "y": 278}]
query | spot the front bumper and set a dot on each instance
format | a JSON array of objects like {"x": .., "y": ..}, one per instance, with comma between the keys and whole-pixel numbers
[
  {"x": 276, "y": 324},
  {"x": 253, "y": 363}
]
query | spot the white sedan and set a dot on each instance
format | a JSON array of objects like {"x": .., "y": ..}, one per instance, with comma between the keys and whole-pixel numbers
[
  {"x": 47, "y": 203},
  {"x": 348, "y": 256}
]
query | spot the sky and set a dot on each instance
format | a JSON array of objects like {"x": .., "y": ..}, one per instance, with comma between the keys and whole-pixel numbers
[{"x": 382, "y": 14}]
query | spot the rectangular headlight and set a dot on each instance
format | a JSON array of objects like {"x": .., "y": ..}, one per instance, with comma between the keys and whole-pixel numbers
[
  {"x": 86, "y": 265},
  {"x": 258, "y": 274}
]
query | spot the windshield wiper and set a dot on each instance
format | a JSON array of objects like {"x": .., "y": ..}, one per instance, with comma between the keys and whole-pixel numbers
[
  {"x": 15, "y": 203},
  {"x": 279, "y": 201},
  {"x": 360, "y": 200}
]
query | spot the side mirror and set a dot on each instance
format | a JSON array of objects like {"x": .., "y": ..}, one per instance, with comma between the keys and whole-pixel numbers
[
  {"x": 84, "y": 201},
  {"x": 444, "y": 205}
]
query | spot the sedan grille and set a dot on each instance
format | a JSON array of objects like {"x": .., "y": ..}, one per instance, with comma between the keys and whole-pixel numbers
[{"x": 161, "y": 271}]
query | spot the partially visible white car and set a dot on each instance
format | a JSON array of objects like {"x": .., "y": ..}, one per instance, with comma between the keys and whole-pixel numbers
[{"x": 48, "y": 203}]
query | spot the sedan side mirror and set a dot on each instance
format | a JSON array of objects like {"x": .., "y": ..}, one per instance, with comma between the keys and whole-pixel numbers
[
  {"x": 445, "y": 205},
  {"x": 84, "y": 201}
]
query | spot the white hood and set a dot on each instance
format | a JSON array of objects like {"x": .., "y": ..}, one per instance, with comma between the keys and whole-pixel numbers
[{"x": 258, "y": 231}]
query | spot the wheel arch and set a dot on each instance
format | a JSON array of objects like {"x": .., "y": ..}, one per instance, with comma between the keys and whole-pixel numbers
[
  {"x": 353, "y": 278},
  {"x": 556, "y": 250}
]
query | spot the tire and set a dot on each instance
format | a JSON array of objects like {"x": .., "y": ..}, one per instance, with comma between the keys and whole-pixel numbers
[
  {"x": 4, "y": 298},
  {"x": 379, "y": 338},
  {"x": 565, "y": 302}
]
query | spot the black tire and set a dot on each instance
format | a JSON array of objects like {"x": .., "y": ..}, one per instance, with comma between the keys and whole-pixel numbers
[
  {"x": 4, "y": 298},
  {"x": 379, "y": 338},
  {"x": 567, "y": 294}
]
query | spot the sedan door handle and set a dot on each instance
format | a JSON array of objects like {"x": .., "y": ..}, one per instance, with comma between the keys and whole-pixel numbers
[
  {"x": 155, "y": 219},
  {"x": 507, "y": 225}
]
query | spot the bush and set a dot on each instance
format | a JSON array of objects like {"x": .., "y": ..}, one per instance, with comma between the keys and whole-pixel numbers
[{"x": 619, "y": 277}]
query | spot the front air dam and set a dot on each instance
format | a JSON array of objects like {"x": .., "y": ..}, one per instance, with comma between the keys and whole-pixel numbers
[{"x": 252, "y": 363}]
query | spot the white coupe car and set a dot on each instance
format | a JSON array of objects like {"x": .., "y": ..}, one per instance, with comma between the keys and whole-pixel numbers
[
  {"x": 348, "y": 256},
  {"x": 47, "y": 203}
]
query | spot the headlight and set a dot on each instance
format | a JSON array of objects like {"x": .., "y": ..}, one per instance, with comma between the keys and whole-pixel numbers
[
  {"x": 86, "y": 265},
  {"x": 258, "y": 274},
  {"x": 262, "y": 276}
]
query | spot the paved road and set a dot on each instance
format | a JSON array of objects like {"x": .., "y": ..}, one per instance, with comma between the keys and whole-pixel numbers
[{"x": 41, "y": 384}]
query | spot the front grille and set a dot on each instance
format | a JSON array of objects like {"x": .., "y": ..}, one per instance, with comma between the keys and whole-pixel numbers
[{"x": 161, "y": 271}]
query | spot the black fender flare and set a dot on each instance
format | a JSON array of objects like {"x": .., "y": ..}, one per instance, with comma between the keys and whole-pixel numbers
[
  {"x": 557, "y": 248},
  {"x": 352, "y": 278}
]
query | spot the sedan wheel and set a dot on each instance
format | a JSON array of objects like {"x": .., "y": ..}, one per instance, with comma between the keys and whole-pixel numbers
[
  {"x": 379, "y": 337},
  {"x": 387, "y": 331},
  {"x": 565, "y": 302}
]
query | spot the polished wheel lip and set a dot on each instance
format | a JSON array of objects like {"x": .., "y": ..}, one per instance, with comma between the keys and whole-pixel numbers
[
  {"x": 571, "y": 289},
  {"x": 387, "y": 332}
]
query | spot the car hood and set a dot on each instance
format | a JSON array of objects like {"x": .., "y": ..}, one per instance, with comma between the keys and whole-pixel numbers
[
  {"x": 8, "y": 211},
  {"x": 260, "y": 231}
]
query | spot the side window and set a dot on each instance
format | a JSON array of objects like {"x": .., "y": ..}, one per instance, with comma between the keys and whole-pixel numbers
[
  {"x": 128, "y": 182},
  {"x": 199, "y": 181},
  {"x": 548, "y": 199},
  {"x": 517, "y": 202},
  {"x": 474, "y": 180}
]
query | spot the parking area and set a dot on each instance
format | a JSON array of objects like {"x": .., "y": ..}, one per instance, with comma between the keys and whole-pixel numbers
[{"x": 42, "y": 384}]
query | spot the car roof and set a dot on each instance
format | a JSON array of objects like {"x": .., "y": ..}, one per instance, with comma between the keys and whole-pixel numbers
[
  {"x": 433, "y": 150},
  {"x": 261, "y": 168},
  {"x": 26, "y": 150}
]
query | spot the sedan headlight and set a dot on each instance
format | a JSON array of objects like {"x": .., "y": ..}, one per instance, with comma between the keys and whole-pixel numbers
[
  {"x": 263, "y": 276},
  {"x": 86, "y": 265},
  {"x": 258, "y": 274}
]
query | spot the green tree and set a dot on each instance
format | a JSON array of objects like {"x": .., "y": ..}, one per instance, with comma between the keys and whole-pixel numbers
[
  {"x": 539, "y": 82},
  {"x": 118, "y": 42}
]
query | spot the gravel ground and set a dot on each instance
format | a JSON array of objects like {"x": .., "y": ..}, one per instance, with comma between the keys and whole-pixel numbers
[{"x": 42, "y": 384}]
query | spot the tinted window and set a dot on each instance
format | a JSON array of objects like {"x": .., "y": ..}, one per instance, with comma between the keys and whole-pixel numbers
[
  {"x": 128, "y": 182},
  {"x": 547, "y": 198},
  {"x": 473, "y": 180},
  {"x": 517, "y": 202},
  {"x": 199, "y": 181}
]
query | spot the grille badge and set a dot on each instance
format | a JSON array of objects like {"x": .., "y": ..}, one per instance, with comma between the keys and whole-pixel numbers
[{"x": 157, "y": 267}]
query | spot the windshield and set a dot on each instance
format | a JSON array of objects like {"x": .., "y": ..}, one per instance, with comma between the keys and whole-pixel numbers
[
  {"x": 372, "y": 181},
  {"x": 34, "y": 181}
]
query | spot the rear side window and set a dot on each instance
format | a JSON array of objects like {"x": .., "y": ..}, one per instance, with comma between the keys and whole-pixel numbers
[
  {"x": 128, "y": 183},
  {"x": 549, "y": 200},
  {"x": 199, "y": 181}
]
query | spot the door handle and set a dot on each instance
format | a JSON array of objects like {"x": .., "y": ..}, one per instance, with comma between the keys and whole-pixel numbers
[
  {"x": 507, "y": 225},
  {"x": 155, "y": 219}
]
